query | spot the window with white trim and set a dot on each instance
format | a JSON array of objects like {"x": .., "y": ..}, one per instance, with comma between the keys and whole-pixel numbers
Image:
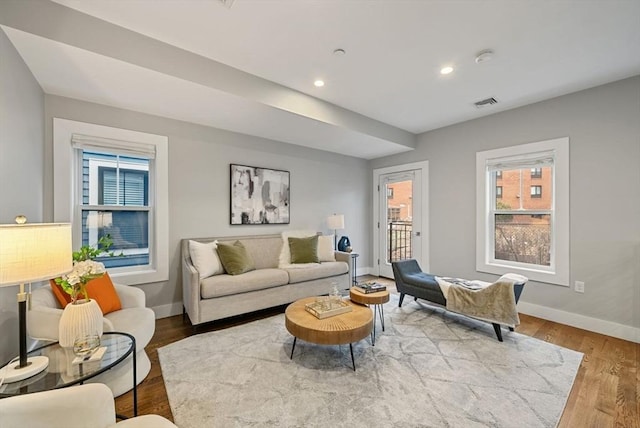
[
  {"x": 115, "y": 203},
  {"x": 520, "y": 228},
  {"x": 114, "y": 182}
]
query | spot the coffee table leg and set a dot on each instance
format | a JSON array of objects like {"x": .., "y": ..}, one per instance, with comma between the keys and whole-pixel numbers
[
  {"x": 381, "y": 307},
  {"x": 353, "y": 361},
  {"x": 293, "y": 347}
]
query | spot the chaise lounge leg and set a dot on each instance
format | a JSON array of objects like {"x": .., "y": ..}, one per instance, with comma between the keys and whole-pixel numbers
[
  {"x": 496, "y": 328},
  {"x": 401, "y": 299}
]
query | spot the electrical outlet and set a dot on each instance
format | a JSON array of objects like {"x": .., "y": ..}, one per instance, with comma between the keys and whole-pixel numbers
[{"x": 579, "y": 287}]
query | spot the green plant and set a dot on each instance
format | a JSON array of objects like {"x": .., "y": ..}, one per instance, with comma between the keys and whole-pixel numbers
[{"x": 87, "y": 252}]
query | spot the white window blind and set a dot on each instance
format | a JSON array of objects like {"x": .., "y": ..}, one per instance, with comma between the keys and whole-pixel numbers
[
  {"x": 109, "y": 145},
  {"x": 531, "y": 160},
  {"x": 129, "y": 189}
]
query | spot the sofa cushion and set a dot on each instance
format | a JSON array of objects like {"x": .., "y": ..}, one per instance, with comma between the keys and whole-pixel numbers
[
  {"x": 235, "y": 258},
  {"x": 322, "y": 270},
  {"x": 421, "y": 279},
  {"x": 304, "y": 250},
  {"x": 224, "y": 285},
  {"x": 326, "y": 252},
  {"x": 264, "y": 251},
  {"x": 204, "y": 256}
]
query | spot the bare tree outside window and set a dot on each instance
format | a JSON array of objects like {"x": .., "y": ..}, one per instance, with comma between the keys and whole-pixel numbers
[{"x": 522, "y": 216}]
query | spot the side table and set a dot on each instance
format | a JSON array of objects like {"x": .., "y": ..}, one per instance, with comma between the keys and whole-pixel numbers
[
  {"x": 377, "y": 300},
  {"x": 354, "y": 259},
  {"x": 61, "y": 373}
]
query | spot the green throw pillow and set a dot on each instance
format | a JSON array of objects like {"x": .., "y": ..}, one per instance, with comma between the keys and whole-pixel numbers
[
  {"x": 304, "y": 250},
  {"x": 235, "y": 258}
]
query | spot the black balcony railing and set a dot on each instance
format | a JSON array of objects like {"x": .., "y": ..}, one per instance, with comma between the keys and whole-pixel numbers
[{"x": 399, "y": 242}]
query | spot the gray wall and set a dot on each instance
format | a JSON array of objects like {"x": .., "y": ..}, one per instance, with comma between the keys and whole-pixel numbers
[
  {"x": 321, "y": 183},
  {"x": 603, "y": 125},
  {"x": 21, "y": 158}
]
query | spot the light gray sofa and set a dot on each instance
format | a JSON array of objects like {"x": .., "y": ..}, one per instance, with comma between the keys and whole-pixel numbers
[{"x": 222, "y": 296}]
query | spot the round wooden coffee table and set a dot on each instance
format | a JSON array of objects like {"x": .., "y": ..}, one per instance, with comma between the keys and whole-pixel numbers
[
  {"x": 377, "y": 300},
  {"x": 336, "y": 330}
]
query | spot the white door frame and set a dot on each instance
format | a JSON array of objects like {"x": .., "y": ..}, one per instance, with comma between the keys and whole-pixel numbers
[{"x": 424, "y": 167}]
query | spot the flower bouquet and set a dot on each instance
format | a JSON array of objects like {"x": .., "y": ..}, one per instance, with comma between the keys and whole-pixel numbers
[{"x": 75, "y": 282}]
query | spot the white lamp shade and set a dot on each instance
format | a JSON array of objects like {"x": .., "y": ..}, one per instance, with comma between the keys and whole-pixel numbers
[
  {"x": 335, "y": 221},
  {"x": 34, "y": 252}
]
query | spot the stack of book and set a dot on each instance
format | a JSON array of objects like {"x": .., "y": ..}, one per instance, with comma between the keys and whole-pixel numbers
[
  {"x": 370, "y": 287},
  {"x": 327, "y": 308}
]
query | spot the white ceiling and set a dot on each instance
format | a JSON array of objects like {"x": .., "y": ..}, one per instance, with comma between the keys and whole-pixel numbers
[{"x": 250, "y": 68}]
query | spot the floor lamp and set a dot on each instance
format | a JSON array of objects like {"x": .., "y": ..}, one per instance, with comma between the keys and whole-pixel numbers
[
  {"x": 30, "y": 253},
  {"x": 335, "y": 222}
]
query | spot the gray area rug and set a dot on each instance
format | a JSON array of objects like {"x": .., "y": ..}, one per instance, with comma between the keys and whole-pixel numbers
[{"x": 430, "y": 368}]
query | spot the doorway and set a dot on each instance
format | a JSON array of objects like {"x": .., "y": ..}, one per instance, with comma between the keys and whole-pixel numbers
[{"x": 400, "y": 215}]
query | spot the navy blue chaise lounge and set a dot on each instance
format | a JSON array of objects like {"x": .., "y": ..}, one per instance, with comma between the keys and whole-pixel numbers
[{"x": 412, "y": 281}]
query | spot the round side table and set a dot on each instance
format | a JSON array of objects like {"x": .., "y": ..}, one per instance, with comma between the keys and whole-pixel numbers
[
  {"x": 377, "y": 300},
  {"x": 62, "y": 372}
]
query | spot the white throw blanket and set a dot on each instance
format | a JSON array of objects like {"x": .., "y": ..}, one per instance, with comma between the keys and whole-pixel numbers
[{"x": 492, "y": 302}]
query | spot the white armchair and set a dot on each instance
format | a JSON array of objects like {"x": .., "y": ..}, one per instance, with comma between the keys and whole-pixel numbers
[
  {"x": 134, "y": 318},
  {"x": 89, "y": 405}
]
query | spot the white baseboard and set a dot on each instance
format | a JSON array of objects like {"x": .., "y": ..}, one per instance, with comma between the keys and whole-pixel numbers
[
  {"x": 164, "y": 311},
  {"x": 596, "y": 325},
  {"x": 363, "y": 271}
]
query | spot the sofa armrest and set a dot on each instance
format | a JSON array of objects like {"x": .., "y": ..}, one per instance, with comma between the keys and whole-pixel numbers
[
  {"x": 343, "y": 256},
  {"x": 92, "y": 406},
  {"x": 130, "y": 296},
  {"x": 190, "y": 288},
  {"x": 42, "y": 322}
]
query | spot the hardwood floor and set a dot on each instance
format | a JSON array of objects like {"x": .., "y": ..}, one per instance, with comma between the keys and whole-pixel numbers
[{"x": 606, "y": 391}]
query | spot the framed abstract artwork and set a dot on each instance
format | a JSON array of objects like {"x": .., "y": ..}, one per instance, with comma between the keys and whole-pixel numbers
[{"x": 259, "y": 195}]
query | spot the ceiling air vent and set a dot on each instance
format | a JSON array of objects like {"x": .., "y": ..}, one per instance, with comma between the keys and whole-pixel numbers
[{"x": 486, "y": 102}]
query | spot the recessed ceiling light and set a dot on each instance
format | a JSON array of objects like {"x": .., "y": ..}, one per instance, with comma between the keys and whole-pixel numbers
[
  {"x": 446, "y": 70},
  {"x": 339, "y": 52},
  {"x": 319, "y": 83}
]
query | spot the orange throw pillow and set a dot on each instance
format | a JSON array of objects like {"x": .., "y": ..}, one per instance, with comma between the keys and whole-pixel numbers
[{"x": 100, "y": 289}]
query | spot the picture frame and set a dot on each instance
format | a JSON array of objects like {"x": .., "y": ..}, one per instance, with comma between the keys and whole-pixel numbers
[{"x": 258, "y": 195}]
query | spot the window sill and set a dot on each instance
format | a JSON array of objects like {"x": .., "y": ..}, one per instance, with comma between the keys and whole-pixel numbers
[
  {"x": 548, "y": 277},
  {"x": 139, "y": 277}
]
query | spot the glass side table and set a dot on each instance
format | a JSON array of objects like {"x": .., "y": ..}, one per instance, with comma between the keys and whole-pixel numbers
[{"x": 61, "y": 373}]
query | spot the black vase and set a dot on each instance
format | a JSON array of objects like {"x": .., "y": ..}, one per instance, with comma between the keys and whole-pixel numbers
[{"x": 343, "y": 243}]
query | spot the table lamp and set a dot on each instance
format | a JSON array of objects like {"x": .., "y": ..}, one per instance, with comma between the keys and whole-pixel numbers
[
  {"x": 335, "y": 222},
  {"x": 30, "y": 253}
]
